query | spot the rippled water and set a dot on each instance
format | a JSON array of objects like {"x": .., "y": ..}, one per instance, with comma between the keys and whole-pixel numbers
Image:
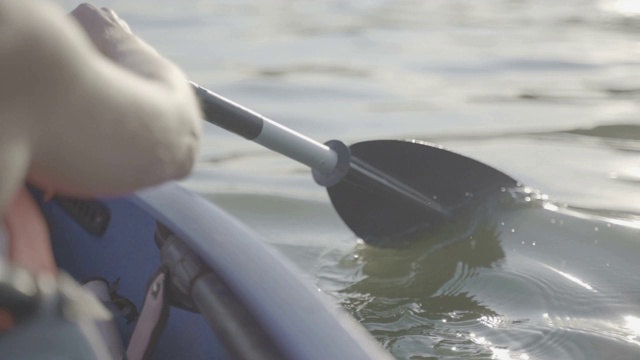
[
  {"x": 522, "y": 283},
  {"x": 546, "y": 91}
]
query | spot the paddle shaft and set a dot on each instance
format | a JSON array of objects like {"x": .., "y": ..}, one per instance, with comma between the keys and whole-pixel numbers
[
  {"x": 257, "y": 128},
  {"x": 331, "y": 162}
]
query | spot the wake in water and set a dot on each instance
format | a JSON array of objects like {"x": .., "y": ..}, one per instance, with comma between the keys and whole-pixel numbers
[{"x": 526, "y": 280}]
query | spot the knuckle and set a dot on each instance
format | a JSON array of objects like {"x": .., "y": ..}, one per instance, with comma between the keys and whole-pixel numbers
[{"x": 86, "y": 7}]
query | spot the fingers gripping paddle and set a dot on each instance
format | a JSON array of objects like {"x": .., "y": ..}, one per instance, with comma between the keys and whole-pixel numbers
[{"x": 381, "y": 189}]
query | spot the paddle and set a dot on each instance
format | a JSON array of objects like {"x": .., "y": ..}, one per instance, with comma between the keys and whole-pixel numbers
[{"x": 383, "y": 189}]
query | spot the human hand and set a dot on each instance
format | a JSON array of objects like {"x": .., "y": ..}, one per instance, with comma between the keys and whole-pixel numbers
[
  {"x": 104, "y": 27},
  {"x": 63, "y": 71},
  {"x": 113, "y": 38}
]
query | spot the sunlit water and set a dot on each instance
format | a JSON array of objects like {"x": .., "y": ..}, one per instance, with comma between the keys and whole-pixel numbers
[{"x": 546, "y": 91}]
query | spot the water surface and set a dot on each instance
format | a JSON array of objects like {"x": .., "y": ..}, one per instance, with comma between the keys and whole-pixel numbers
[{"x": 546, "y": 91}]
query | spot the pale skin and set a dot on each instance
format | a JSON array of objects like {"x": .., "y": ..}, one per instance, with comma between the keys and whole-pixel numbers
[
  {"x": 86, "y": 109},
  {"x": 87, "y": 116}
]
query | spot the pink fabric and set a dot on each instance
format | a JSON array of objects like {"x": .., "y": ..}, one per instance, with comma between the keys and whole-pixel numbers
[{"x": 29, "y": 242}]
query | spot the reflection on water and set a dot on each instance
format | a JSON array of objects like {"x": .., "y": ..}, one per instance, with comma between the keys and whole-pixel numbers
[
  {"x": 617, "y": 131},
  {"x": 633, "y": 324},
  {"x": 622, "y": 7},
  {"x": 407, "y": 297},
  {"x": 511, "y": 280},
  {"x": 572, "y": 277}
]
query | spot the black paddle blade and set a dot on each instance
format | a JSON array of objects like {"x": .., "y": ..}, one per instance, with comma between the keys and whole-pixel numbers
[{"x": 383, "y": 219}]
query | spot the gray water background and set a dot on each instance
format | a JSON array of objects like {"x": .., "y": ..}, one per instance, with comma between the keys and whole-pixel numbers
[{"x": 546, "y": 91}]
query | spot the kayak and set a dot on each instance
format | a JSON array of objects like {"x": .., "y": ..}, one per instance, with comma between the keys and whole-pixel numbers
[{"x": 256, "y": 305}]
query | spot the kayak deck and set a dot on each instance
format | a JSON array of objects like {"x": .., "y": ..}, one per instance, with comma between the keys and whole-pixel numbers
[{"x": 301, "y": 323}]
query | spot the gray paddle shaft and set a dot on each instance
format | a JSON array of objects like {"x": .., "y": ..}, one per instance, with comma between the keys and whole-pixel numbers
[
  {"x": 259, "y": 129},
  {"x": 331, "y": 162}
]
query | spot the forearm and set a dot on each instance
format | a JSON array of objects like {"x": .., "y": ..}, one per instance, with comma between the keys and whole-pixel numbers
[{"x": 101, "y": 128}]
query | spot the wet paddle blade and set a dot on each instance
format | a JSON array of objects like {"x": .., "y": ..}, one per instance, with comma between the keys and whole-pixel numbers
[{"x": 450, "y": 179}]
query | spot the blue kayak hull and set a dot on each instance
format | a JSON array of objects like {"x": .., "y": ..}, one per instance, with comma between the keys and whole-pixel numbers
[{"x": 301, "y": 322}]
